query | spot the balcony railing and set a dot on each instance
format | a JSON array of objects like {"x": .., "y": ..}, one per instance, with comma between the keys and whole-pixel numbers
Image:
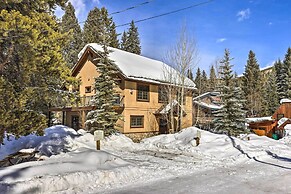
[{"x": 89, "y": 101}]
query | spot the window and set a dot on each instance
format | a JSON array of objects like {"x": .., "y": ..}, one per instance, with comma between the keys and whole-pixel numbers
[
  {"x": 136, "y": 121},
  {"x": 143, "y": 93},
  {"x": 162, "y": 95},
  {"x": 88, "y": 89}
]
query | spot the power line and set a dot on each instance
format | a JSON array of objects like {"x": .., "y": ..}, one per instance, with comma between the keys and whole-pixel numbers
[
  {"x": 133, "y": 7},
  {"x": 124, "y": 10},
  {"x": 168, "y": 13}
]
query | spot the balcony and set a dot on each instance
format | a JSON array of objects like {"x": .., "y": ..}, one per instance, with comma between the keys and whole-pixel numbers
[
  {"x": 85, "y": 103},
  {"x": 89, "y": 101}
]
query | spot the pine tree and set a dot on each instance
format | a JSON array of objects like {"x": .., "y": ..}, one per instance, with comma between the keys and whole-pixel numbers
[
  {"x": 32, "y": 68},
  {"x": 92, "y": 27},
  {"x": 204, "y": 82},
  {"x": 104, "y": 117},
  {"x": 212, "y": 79},
  {"x": 198, "y": 81},
  {"x": 190, "y": 74},
  {"x": 230, "y": 118},
  {"x": 287, "y": 64},
  {"x": 98, "y": 21},
  {"x": 281, "y": 79},
  {"x": 74, "y": 45},
  {"x": 130, "y": 40},
  {"x": 113, "y": 36},
  {"x": 270, "y": 100},
  {"x": 251, "y": 83},
  {"x": 123, "y": 44}
]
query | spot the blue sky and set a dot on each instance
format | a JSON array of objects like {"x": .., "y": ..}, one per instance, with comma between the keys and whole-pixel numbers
[{"x": 263, "y": 26}]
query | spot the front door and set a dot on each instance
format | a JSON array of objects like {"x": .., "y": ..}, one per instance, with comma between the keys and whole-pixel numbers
[
  {"x": 75, "y": 122},
  {"x": 163, "y": 126}
]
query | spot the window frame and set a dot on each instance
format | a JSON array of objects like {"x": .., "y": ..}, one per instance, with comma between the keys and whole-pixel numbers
[
  {"x": 143, "y": 92},
  {"x": 136, "y": 125},
  {"x": 86, "y": 89}
]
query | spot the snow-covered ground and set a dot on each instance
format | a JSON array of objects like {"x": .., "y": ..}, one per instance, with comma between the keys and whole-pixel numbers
[{"x": 162, "y": 164}]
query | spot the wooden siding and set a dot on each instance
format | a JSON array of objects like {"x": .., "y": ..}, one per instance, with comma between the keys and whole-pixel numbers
[{"x": 284, "y": 109}]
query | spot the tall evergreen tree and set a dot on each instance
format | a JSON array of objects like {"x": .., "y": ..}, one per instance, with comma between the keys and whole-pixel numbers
[
  {"x": 281, "y": 79},
  {"x": 230, "y": 118},
  {"x": 74, "y": 43},
  {"x": 104, "y": 117},
  {"x": 92, "y": 27},
  {"x": 287, "y": 64},
  {"x": 123, "y": 43},
  {"x": 98, "y": 21},
  {"x": 252, "y": 83},
  {"x": 212, "y": 79},
  {"x": 130, "y": 40},
  {"x": 270, "y": 100},
  {"x": 204, "y": 82},
  {"x": 190, "y": 74},
  {"x": 113, "y": 36},
  {"x": 198, "y": 81},
  {"x": 32, "y": 70}
]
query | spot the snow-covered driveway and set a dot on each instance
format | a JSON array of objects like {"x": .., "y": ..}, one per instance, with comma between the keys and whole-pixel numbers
[
  {"x": 251, "y": 177},
  {"x": 161, "y": 164}
]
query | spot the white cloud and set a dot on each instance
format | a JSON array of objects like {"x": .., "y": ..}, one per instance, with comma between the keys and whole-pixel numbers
[
  {"x": 221, "y": 40},
  {"x": 270, "y": 23},
  {"x": 79, "y": 5},
  {"x": 243, "y": 14},
  {"x": 96, "y": 1}
]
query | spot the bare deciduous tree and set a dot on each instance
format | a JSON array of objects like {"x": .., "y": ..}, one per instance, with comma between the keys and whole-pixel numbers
[{"x": 182, "y": 58}]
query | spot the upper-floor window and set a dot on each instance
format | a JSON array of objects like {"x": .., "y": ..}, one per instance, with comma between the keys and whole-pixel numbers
[
  {"x": 88, "y": 89},
  {"x": 143, "y": 92}
]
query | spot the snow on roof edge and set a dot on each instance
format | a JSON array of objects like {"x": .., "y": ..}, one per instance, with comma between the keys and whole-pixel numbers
[{"x": 128, "y": 64}]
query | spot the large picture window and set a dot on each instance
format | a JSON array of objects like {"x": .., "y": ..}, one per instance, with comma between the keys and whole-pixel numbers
[
  {"x": 136, "y": 121},
  {"x": 143, "y": 92}
]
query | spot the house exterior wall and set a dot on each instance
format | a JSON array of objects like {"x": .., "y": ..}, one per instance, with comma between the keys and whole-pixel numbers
[
  {"x": 283, "y": 111},
  {"x": 134, "y": 107},
  {"x": 87, "y": 76}
]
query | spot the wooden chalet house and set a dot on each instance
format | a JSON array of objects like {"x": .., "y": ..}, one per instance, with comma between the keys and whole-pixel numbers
[
  {"x": 140, "y": 82},
  {"x": 275, "y": 124}
]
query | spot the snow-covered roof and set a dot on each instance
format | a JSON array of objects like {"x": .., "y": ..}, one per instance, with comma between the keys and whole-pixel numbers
[
  {"x": 285, "y": 100},
  {"x": 282, "y": 121},
  {"x": 209, "y": 106},
  {"x": 138, "y": 67},
  {"x": 168, "y": 107},
  {"x": 206, "y": 94},
  {"x": 258, "y": 119},
  {"x": 212, "y": 105}
]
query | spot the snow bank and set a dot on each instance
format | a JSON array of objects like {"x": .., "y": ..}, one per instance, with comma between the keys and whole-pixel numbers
[
  {"x": 53, "y": 142},
  {"x": 216, "y": 147},
  {"x": 66, "y": 171}
]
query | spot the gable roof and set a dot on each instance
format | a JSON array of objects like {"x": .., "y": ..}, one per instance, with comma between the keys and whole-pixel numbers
[
  {"x": 214, "y": 98},
  {"x": 136, "y": 67}
]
